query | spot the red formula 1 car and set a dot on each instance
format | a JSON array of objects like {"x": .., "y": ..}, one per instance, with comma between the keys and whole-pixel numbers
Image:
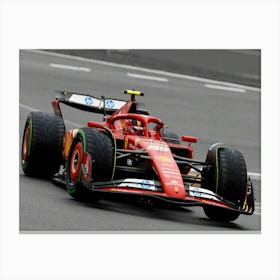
[{"x": 131, "y": 153}]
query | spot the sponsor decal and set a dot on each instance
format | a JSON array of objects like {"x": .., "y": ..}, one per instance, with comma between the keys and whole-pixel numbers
[
  {"x": 158, "y": 147},
  {"x": 165, "y": 159},
  {"x": 167, "y": 165},
  {"x": 89, "y": 100},
  {"x": 168, "y": 171},
  {"x": 197, "y": 194},
  {"x": 109, "y": 104},
  {"x": 138, "y": 184},
  {"x": 96, "y": 102},
  {"x": 146, "y": 184},
  {"x": 173, "y": 176},
  {"x": 202, "y": 190},
  {"x": 201, "y": 193},
  {"x": 174, "y": 182}
]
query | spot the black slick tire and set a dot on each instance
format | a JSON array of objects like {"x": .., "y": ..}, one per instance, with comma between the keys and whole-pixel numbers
[
  {"x": 97, "y": 145},
  {"x": 230, "y": 183},
  {"x": 42, "y": 141}
]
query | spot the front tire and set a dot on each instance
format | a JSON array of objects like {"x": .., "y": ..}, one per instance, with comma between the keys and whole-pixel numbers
[
  {"x": 220, "y": 214},
  {"x": 228, "y": 178},
  {"x": 91, "y": 158}
]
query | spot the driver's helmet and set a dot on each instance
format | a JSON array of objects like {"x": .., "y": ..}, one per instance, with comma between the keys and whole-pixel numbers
[
  {"x": 136, "y": 123},
  {"x": 132, "y": 125},
  {"x": 126, "y": 124}
]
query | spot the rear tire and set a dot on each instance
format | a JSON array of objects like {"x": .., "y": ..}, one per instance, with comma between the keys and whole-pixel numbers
[
  {"x": 229, "y": 181},
  {"x": 42, "y": 145},
  {"x": 91, "y": 151}
]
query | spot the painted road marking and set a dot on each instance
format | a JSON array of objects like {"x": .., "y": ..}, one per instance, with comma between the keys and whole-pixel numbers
[
  {"x": 145, "y": 77},
  {"x": 70, "y": 67},
  {"x": 36, "y": 110},
  {"x": 237, "y": 89},
  {"x": 129, "y": 67},
  {"x": 28, "y": 107},
  {"x": 258, "y": 208},
  {"x": 255, "y": 176}
]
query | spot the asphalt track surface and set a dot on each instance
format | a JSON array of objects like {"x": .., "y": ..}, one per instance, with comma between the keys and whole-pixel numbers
[{"x": 208, "y": 110}]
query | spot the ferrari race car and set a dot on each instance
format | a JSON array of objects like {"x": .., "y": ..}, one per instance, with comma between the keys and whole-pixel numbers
[{"x": 131, "y": 153}]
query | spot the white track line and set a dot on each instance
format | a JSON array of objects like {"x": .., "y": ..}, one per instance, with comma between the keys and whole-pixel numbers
[
  {"x": 158, "y": 72},
  {"x": 255, "y": 176},
  {"x": 69, "y": 67},
  {"x": 225, "y": 88},
  {"x": 28, "y": 107},
  {"x": 258, "y": 208},
  {"x": 145, "y": 77},
  {"x": 36, "y": 110}
]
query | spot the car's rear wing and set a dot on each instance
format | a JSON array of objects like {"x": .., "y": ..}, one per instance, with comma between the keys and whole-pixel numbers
[{"x": 87, "y": 102}]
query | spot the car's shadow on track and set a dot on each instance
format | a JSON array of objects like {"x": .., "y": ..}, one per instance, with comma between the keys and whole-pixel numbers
[
  {"x": 183, "y": 215},
  {"x": 134, "y": 216},
  {"x": 165, "y": 212}
]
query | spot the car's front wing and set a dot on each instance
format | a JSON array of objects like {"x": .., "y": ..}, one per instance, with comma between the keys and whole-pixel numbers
[{"x": 152, "y": 190}]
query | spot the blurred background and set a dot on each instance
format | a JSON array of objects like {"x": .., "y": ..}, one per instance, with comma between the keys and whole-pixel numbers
[{"x": 237, "y": 65}]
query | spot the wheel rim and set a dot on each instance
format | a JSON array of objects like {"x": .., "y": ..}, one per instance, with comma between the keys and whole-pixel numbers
[
  {"x": 76, "y": 161},
  {"x": 26, "y": 141},
  {"x": 87, "y": 167}
]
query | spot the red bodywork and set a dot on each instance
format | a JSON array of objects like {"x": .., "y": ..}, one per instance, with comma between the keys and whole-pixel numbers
[
  {"x": 147, "y": 139},
  {"x": 138, "y": 131}
]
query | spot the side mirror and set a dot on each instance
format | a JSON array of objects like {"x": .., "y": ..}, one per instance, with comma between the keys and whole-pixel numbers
[{"x": 189, "y": 138}]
